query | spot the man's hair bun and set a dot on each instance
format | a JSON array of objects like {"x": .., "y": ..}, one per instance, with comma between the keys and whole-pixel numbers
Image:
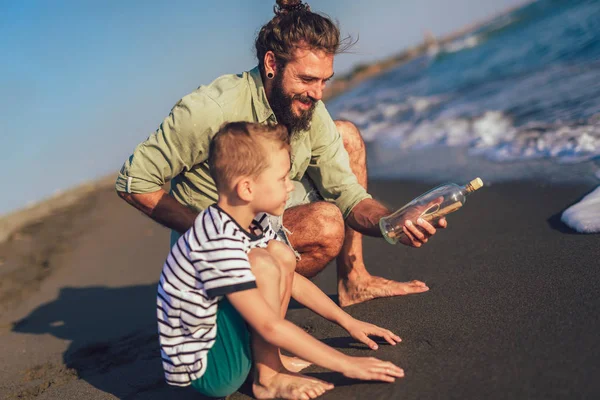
[{"x": 288, "y": 6}]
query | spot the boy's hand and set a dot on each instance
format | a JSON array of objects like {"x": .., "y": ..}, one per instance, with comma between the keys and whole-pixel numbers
[
  {"x": 360, "y": 330},
  {"x": 372, "y": 369}
]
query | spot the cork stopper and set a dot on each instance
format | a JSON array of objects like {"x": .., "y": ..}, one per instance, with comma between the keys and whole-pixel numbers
[{"x": 475, "y": 184}]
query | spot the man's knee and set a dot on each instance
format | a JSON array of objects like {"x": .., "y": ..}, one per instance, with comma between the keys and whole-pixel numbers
[
  {"x": 330, "y": 227},
  {"x": 353, "y": 141},
  {"x": 264, "y": 266}
]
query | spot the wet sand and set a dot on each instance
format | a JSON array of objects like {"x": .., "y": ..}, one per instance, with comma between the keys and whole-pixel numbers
[{"x": 513, "y": 310}]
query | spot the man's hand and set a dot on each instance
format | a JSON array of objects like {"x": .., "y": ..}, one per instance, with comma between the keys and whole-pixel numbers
[
  {"x": 361, "y": 331},
  {"x": 417, "y": 230},
  {"x": 365, "y": 216},
  {"x": 416, "y": 235}
]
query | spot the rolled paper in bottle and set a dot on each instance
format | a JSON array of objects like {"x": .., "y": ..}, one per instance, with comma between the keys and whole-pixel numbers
[{"x": 436, "y": 212}]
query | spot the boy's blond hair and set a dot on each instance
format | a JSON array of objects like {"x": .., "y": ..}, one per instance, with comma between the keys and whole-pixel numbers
[{"x": 241, "y": 149}]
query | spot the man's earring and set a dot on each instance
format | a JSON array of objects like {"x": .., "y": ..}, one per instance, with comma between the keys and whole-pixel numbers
[{"x": 270, "y": 75}]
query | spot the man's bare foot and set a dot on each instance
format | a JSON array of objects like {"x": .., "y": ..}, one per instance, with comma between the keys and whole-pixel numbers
[
  {"x": 289, "y": 385},
  {"x": 294, "y": 364},
  {"x": 371, "y": 287}
]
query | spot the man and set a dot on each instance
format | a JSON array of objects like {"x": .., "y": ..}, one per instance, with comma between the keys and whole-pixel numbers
[{"x": 295, "y": 51}]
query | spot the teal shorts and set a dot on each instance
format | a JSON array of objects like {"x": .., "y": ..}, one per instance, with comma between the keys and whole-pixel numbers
[{"x": 229, "y": 361}]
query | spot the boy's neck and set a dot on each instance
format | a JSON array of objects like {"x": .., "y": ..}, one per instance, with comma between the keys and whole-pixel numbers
[{"x": 242, "y": 214}]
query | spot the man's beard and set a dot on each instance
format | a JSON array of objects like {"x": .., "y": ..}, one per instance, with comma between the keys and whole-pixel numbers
[{"x": 281, "y": 104}]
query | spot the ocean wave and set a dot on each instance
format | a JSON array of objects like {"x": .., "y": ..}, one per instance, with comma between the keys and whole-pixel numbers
[
  {"x": 491, "y": 134},
  {"x": 462, "y": 44},
  {"x": 376, "y": 119}
]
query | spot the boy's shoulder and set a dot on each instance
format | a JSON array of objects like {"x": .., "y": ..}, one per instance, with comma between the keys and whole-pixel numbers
[
  {"x": 214, "y": 227},
  {"x": 213, "y": 223}
]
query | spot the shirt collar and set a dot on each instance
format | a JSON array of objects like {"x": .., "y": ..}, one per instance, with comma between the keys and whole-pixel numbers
[
  {"x": 261, "y": 105},
  {"x": 247, "y": 234}
]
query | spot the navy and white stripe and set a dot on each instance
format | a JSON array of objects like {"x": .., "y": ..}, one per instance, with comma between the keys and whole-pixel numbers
[{"x": 209, "y": 261}]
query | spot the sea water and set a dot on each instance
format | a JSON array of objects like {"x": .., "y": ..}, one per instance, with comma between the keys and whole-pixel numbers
[{"x": 518, "y": 98}]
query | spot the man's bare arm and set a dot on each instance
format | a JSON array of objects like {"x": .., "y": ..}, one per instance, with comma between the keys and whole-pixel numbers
[
  {"x": 163, "y": 208},
  {"x": 365, "y": 216}
]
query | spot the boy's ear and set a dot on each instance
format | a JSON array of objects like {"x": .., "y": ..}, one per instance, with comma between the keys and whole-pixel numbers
[{"x": 244, "y": 189}]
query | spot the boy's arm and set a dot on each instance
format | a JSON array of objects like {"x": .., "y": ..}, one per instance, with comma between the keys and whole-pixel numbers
[
  {"x": 281, "y": 333},
  {"x": 309, "y": 295}
]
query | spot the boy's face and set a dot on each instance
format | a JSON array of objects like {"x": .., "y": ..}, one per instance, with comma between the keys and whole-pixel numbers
[{"x": 273, "y": 185}]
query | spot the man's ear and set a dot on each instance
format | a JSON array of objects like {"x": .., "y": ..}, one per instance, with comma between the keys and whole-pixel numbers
[
  {"x": 270, "y": 63},
  {"x": 244, "y": 189}
]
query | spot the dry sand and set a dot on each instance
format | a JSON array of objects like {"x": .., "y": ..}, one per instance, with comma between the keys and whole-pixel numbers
[{"x": 513, "y": 310}]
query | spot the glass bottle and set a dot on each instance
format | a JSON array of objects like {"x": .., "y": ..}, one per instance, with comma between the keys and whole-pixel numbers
[{"x": 431, "y": 206}]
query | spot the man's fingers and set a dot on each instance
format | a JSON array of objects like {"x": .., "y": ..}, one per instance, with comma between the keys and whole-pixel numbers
[
  {"x": 442, "y": 223},
  {"x": 416, "y": 232},
  {"x": 426, "y": 225},
  {"x": 413, "y": 240}
]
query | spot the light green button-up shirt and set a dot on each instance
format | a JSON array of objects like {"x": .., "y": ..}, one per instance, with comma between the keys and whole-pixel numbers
[{"x": 178, "y": 150}]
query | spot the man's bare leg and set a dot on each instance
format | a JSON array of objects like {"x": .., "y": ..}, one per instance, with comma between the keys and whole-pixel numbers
[
  {"x": 320, "y": 235},
  {"x": 317, "y": 233},
  {"x": 271, "y": 379},
  {"x": 355, "y": 284}
]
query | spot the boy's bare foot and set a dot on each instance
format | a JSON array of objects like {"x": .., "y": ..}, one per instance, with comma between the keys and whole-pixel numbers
[
  {"x": 294, "y": 364},
  {"x": 370, "y": 287},
  {"x": 289, "y": 385}
]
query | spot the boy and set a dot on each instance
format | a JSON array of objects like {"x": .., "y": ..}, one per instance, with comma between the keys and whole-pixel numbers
[{"x": 228, "y": 274}]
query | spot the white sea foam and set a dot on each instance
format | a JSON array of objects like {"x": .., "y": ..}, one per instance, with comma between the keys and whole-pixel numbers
[
  {"x": 461, "y": 44},
  {"x": 491, "y": 134},
  {"x": 584, "y": 216}
]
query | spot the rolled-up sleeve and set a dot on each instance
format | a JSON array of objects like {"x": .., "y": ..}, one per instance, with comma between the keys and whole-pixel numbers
[
  {"x": 329, "y": 166},
  {"x": 178, "y": 144}
]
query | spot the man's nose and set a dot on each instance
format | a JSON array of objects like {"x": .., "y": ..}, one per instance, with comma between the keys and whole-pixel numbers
[{"x": 316, "y": 92}]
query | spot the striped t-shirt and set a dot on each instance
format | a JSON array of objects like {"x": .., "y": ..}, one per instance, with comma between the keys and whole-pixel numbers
[{"x": 207, "y": 262}]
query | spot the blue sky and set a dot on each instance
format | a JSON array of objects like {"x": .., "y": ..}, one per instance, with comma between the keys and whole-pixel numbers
[{"x": 82, "y": 82}]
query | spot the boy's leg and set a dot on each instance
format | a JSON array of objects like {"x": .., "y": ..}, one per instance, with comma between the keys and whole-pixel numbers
[
  {"x": 271, "y": 379},
  {"x": 229, "y": 361},
  {"x": 286, "y": 259}
]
